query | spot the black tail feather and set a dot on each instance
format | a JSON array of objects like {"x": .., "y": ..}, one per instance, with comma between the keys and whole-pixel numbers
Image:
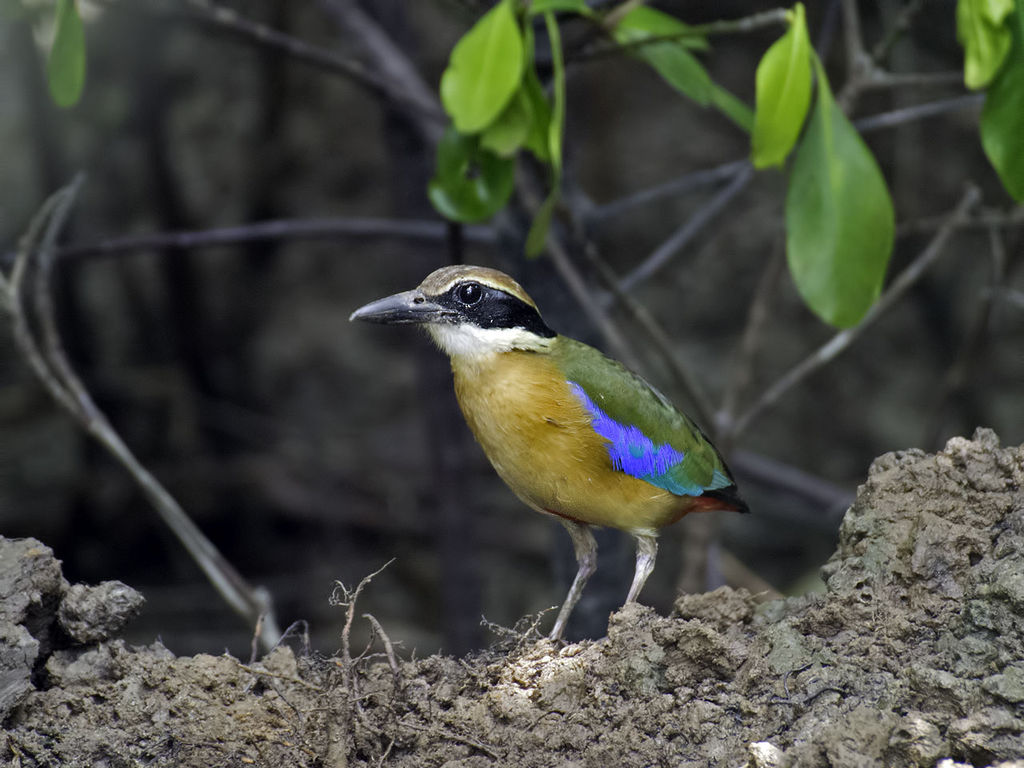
[{"x": 729, "y": 496}]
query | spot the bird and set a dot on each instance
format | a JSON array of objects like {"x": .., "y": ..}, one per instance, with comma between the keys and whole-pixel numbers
[{"x": 573, "y": 433}]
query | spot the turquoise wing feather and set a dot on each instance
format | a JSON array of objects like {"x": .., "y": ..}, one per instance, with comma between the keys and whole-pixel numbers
[{"x": 647, "y": 436}]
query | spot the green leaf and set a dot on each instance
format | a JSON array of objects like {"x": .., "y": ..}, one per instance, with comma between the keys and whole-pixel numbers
[
  {"x": 670, "y": 58},
  {"x": 484, "y": 70},
  {"x": 540, "y": 111},
  {"x": 982, "y": 31},
  {"x": 66, "y": 67},
  {"x": 783, "y": 94},
  {"x": 526, "y": 119},
  {"x": 1002, "y": 118},
  {"x": 538, "y": 233},
  {"x": 732, "y": 107},
  {"x": 556, "y": 125},
  {"x": 509, "y": 132},
  {"x": 839, "y": 217},
  {"x": 673, "y": 61},
  {"x": 580, "y": 7},
  {"x": 470, "y": 183}
]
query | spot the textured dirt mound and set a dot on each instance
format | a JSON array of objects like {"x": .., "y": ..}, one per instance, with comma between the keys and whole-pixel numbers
[{"x": 914, "y": 654}]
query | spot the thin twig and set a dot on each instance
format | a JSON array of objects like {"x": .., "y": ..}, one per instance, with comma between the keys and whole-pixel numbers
[
  {"x": 446, "y": 734},
  {"x": 618, "y": 13},
  {"x": 254, "y": 670},
  {"x": 983, "y": 219},
  {"x": 829, "y": 351},
  {"x": 690, "y": 229},
  {"x": 903, "y": 21},
  {"x": 277, "y": 229},
  {"x": 389, "y": 648},
  {"x": 348, "y": 599},
  {"x": 254, "y": 645},
  {"x": 293, "y": 631}
]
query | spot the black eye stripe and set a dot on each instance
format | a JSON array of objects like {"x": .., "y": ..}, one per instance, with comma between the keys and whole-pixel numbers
[{"x": 487, "y": 307}]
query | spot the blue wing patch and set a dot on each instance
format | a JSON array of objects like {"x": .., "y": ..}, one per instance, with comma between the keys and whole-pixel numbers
[{"x": 632, "y": 452}]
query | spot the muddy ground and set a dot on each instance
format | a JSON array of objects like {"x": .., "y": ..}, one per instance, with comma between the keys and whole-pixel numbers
[{"x": 914, "y": 655}]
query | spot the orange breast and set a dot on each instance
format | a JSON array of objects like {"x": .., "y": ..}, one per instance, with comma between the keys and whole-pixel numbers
[{"x": 539, "y": 439}]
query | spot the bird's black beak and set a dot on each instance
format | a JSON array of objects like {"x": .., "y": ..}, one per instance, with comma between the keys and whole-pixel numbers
[{"x": 402, "y": 308}]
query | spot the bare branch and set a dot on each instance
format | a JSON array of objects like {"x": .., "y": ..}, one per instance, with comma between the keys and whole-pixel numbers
[
  {"x": 389, "y": 648},
  {"x": 859, "y": 66},
  {"x": 830, "y": 499},
  {"x": 973, "y": 342},
  {"x": 757, "y": 318},
  {"x": 985, "y": 218},
  {"x": 699, "y": 179},
  {"x": 393, "y": 64},
  {"x": 44, "y": 229},
  {"x": 857, "y": 60},
  {"x": 686, "y": 183},
  {"x": 53, "y": 369},
  {"x": 421, "y": 229},
  {"x": 528, "y": 190},
  {"x": 880, "y": 78},
  {"x": 863, "y": 70},
  {"x": 829, "y": 351},
  {"x": 690, "y": 229},
  {"x": 227, "y": 20},
  {"x": 689, "y": 385},
  {"x": 738, "y": 575},
  {"x": 918, "y": 112},
  {"x": 348, "y": 598},
  {"x": 771, "y": 18},
  {"x": 587, "y": 302},
  {"x": 1011, "y": 296},
  {"x": 901, "y": 25}
]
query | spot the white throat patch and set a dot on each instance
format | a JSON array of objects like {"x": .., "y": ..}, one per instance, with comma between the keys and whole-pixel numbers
[{"x": 471, "y": 341}]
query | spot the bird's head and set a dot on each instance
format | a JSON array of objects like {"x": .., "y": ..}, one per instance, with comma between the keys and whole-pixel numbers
[{"x": 469, "y": 311}]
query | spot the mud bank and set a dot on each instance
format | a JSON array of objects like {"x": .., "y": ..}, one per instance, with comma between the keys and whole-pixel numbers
[{"x": 913, "y": 656}]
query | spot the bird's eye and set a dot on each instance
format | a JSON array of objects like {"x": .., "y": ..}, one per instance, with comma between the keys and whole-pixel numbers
[{"x": 469, "y": 293}]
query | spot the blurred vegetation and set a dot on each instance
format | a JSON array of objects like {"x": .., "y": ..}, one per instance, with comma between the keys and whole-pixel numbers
[{"x": 310, "y": 450}]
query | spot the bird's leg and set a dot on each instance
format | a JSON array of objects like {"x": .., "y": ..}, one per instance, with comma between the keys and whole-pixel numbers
[
  {"x": 586, "y": 558},
  {"x": 646, "y": 552}
]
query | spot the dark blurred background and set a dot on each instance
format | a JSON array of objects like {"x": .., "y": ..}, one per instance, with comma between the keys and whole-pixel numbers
[{"x": 312, "y": 450}]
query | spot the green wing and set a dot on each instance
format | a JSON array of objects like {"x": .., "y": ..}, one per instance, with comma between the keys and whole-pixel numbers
[{"x": 647, "y": 436}]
